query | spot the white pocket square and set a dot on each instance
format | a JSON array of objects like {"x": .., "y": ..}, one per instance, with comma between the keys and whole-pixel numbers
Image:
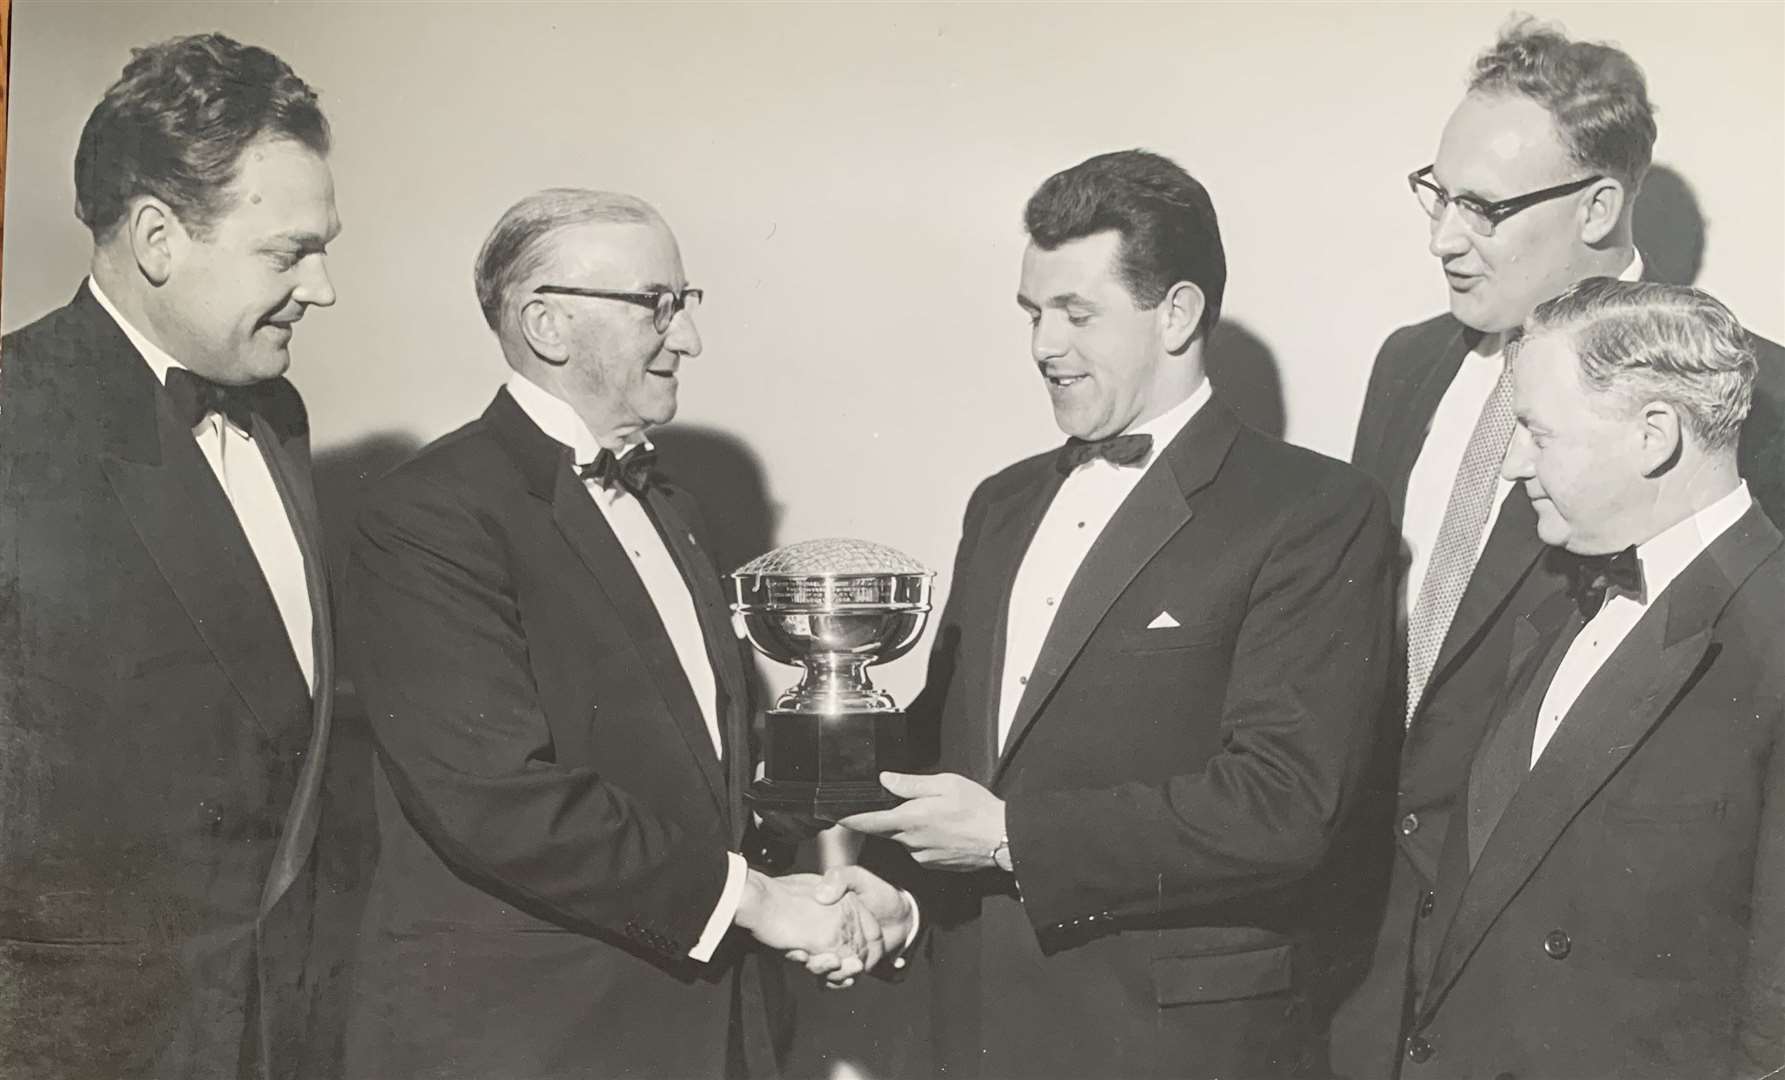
[{"x": 1162, "y": 621}]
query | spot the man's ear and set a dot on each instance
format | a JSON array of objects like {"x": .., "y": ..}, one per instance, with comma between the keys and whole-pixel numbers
[
  {"x": 1602, "y": 210},
  {"x": 1661, "y": 437},
  {"x": 539, "y": 324},
  {"x": 157, "y": 239},
  {"x": 1181, "y": 313}
]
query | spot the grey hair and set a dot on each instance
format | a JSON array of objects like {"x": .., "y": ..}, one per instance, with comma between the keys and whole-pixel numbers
[
  {"x": 516, "y": 248},
  {"x": 1646, "y": 341}
]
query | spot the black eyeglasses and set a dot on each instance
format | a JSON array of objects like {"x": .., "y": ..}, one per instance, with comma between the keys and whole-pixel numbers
[
  {"x": 1479, "y": 215},
  {"x": 664, "y": 305}
]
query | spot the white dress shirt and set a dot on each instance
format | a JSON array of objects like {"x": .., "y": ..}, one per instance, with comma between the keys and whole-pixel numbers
[
  {"x": 663, "y": 581},
  {"x": 1663, "y": 557},
  {"x": 247, "y": 480},
  {"x": 1435, "y": 471},
  {"x": 1084, "y": 505}
]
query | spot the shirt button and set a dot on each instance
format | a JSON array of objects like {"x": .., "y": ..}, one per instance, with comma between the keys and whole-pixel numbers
[
  {"x": 1022, "y": 680},
  {"x": 1558, "y": 945},
  {"x": 1409, "y": 825},
  {"x": 1050, "y": 601}
]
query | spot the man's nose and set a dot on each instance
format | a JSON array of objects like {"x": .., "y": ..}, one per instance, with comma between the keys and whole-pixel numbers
[
  {"x": 314, "y": 287},
  {"x": 684, "y": 336},
  {"x": 1450, "y": 236},
  {"x": 1520, "y": 457},
  {"x": 1046, "y": 340}
]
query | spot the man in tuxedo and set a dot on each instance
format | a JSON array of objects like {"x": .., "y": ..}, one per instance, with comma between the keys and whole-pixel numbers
[
  {"x": 1609, "y": 900},
  {"x": 1158, "y": 675},
  {"x": 1533, "y": 188},
  {"x": 165, "y": 646},
  {"x": 559, "y": 706}
]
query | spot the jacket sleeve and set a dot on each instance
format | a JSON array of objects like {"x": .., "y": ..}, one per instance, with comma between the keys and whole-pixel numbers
[
  {"x": 1308, "y": 676},
  {"x": 440, "y": 658}
]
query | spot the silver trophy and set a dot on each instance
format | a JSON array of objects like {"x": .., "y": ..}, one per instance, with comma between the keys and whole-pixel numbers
[{"x": 832, "y": 607}]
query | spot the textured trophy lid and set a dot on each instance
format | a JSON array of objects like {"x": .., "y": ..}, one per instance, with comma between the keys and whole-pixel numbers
[{"x": 831, "y": 557}]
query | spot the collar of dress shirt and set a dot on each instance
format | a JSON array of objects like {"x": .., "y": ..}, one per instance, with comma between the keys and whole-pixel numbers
[
  {"x": 157, "y": 358},
  {"x": 1666, "y": 554},
  {"x": 1166, "y": 426},
  {"x": 558, "y": 420},
  {"x": 1491, "y": 345}
]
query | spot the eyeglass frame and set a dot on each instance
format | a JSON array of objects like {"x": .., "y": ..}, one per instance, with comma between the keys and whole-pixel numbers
[
  {"x": 1491, "y": 212},
  {"x": 678, "y": 301}
]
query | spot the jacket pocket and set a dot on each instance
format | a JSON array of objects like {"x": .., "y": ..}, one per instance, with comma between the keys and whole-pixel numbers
[{"x": 1231, "y": 976}]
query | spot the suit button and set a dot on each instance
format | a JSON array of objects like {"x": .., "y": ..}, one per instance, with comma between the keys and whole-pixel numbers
[
  {"x": 1557, "y": 945},
  {"x": 1427, "y": 902},
  {"x": 1418, "y": 1050},
  {"x": 1409, "y": 824}
]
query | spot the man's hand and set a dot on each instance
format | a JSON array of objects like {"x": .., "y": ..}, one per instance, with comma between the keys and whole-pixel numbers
[
  {"x": 891, "y": 910},
  {"x": 949, "y": 822},
  {"x": 785, "y": 914}
]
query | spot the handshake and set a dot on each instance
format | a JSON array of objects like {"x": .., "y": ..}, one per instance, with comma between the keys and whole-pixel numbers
[{"x": 838, "y": 925}]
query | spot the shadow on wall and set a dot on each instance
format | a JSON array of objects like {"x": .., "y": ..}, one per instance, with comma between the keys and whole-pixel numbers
[
  {"x": 726, "y": 479},
  {"x": 1669, "y": 228},
  {"x": 1244, "y": 371}
]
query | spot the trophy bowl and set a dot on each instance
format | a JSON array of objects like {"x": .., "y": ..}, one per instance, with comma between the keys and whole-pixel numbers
[{"x": 831, "y": 607}]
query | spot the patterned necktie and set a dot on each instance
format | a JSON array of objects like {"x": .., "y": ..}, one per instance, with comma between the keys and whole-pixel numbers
[
  {"x": 1117, "y": 450},
  {"x": 632, "y": 471},
  {"x": 1459, "y": 536}
]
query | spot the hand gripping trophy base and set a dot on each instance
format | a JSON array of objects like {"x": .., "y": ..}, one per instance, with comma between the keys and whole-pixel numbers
[{"x": 832, "y": 607}]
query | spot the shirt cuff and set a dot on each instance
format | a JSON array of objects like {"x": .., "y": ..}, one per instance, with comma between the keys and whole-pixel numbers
[
  {"x": 911, "y": 934},
  {"x": 736, "y": 870}
]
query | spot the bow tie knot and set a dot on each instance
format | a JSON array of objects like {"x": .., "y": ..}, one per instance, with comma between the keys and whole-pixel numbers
[
  {"x": 196, "y": 397},
  {"x": 1594, "y": 576},
  {"x": 631, "y": 471},
  {"x": 1119, "y": 450}
]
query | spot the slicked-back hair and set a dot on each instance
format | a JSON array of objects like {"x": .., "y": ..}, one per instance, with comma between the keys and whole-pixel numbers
[
  {"x": 1595, "y": 93},
  {"x": 1167, "y": 222},
  {"x": 1646, "y": 341},
  {"x": 519, "y": 244},
  {"x": 175, "y": 124}
]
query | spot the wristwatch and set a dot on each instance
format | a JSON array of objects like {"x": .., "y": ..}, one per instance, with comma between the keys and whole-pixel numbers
[{"x": 1001, "y": 855}]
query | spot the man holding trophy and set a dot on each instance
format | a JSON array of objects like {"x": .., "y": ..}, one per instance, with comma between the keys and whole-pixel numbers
[
  {"x": 1158, "y": 677},
  {"x": 560, "y": 710}
]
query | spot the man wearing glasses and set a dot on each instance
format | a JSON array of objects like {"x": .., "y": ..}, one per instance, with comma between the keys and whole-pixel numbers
[
  {"x": 1533, "y": 189},
  {"x": 560, "y": 709}
]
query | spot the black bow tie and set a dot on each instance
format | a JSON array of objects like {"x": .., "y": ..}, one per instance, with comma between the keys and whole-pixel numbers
[
  {"x": 196, "y": 397},
  {"x": 1117, "y": 450},
  {"x": 1594, "y": 576},
  {"x": 632, "y": 471}
]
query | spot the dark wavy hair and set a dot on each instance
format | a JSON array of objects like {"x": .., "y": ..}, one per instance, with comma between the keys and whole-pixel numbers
[
  {"x": 175, "y": 124},
  {"x": 1594, "y": 92},
  {"x": 1167, "y": 222}
]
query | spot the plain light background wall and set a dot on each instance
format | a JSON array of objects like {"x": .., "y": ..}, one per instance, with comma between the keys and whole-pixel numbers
[{"x": 847, "y": 183}]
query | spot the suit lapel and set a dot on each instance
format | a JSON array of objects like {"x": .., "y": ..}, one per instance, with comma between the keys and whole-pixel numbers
[
  {"x": 721, "y": 642},
  {"x": 1151, "y": 515},
  {"x": 1513, "y": 547},
  {"x": 1403, "y": 440},
  {"x": 1010, "y": 525},
  {"x": 1616, "y": 710},
  {"x": 588, "y": 534},
  {"x": 288, "y": 461},
  {"x": 185, "y": 522}
]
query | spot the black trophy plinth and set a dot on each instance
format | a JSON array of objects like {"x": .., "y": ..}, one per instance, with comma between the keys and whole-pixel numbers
[{"x": 827, "y": 767}]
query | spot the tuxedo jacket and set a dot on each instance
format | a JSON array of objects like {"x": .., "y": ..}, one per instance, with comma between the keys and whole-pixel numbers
[
  {"x": 1626, "y": 916},
  {"x": 160, "y": 752},
  {"x": 1172, "y": 792},
  {"x": 1408, "y": 380},
  {"x": 553, "y": 817}
]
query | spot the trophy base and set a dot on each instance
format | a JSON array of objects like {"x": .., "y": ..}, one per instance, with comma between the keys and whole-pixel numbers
[
  {"x": 827, "y": 765},
  {"x": 822, "y": 802}
]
